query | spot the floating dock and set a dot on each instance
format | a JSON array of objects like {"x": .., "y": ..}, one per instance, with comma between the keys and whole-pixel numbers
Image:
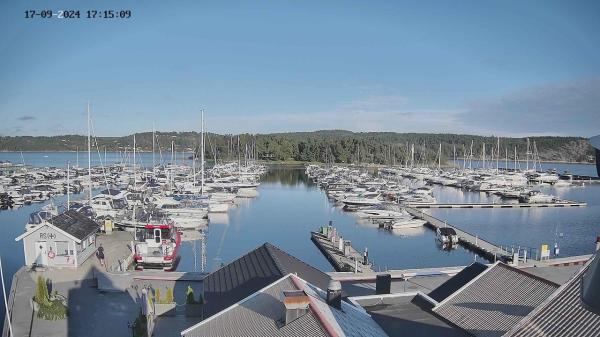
[
  {"x": 466, "y": 239},
  {"x": 564, "y": 203},
  {"x": 346, "y": 259}
]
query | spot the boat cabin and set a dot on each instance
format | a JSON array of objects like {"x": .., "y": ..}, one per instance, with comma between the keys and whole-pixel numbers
[
  {"x": 65, "y": 240},
  {"x": 447, "y": 235}
]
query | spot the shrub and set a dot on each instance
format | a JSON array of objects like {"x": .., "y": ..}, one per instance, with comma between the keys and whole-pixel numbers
[
  {"x": 49, "y": 308},
  {"x": 189, "y": 299},
  {"x": 41, "y": 293},
  {"x": 157, "y": 296},
  {"x": 169, "y": 298}
]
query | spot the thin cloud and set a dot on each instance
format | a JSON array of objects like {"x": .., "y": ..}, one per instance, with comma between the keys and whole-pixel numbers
[
  {"x": 26, "y": 118},
  {"x": 571, "y": 108}
]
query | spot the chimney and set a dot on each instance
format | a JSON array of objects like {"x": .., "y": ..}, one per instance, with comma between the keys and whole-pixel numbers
[
  {"x": 296, "y": 304},
  {"x": 591, "y": 285},
  {"x": 383, "y": 284},
  {"x": 334, "y": 294}
]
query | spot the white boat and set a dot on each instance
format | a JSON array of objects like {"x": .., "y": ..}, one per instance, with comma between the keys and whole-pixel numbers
[
  {"x": 40, "y": 217},
  {"x": 407, "y": 223},
  {"x": 537, "y": 197}
]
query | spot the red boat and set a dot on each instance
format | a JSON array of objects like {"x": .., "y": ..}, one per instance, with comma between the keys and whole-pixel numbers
[{"x": 158, "y": 247}]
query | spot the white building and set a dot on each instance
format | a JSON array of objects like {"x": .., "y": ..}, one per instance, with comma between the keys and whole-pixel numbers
[{"x": 66, "y": 240}]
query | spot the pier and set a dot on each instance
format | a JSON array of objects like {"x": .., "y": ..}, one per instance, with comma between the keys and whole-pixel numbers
[
  {"x": 563, "y": 203},
  {"x": 339, "y": 252},
  {"x": 466, "y": 239}
]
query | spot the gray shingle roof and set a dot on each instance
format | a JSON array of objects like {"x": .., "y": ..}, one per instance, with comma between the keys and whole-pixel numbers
[
  {"x": 493, "y": 302},
  {"x": 259, "y": 316},
  {"x": 562, "y": 315},
  {"x": 263, "y": 314},
  {"x": 252, "y": 272},
  {"x": 457, "y": 281},
  {"x": 75, "y": 223}
]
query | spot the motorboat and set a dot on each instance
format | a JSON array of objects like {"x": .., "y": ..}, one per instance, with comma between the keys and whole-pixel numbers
[
  {"x": 447, "y": 236},
  {"x": 157, "y": 247},
  {"x": 537, "y": 197},
  {"x": 40, "y": 217}
]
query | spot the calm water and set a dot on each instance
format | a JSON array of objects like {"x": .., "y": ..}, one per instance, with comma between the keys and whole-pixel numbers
[{"x": 289, "y": 206}]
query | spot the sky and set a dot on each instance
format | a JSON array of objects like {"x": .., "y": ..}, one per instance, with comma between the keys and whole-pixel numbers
[{"x": 507, "y": 68}]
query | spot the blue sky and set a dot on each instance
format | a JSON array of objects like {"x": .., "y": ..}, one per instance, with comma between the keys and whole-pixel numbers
[{"x": 480, "y": 67}]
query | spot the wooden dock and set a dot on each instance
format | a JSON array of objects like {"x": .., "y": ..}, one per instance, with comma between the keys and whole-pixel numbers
[
  {"x": 352, "y": 261},
  {"x": 466, "y": 239},
  {"x": 565, "y": 203}
]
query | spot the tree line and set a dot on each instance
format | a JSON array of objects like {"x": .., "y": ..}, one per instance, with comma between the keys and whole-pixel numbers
[{"x": 337, "y": 146}]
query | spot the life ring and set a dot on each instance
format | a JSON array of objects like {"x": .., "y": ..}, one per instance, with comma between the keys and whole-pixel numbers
[{"x": 51, "y": 254}]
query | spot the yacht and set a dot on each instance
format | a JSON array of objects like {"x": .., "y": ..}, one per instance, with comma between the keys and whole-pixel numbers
[{"x": 537, "y": 197}]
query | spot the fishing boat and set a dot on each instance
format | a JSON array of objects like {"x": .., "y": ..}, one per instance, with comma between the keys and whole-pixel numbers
[{"x": 157, "y": 247}]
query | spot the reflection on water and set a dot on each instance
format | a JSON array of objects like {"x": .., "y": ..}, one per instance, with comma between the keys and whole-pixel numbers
[{"x": 574, "y": 228}]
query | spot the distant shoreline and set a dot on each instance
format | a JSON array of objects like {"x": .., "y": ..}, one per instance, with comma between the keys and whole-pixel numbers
[{"x": 293, "y": 162}]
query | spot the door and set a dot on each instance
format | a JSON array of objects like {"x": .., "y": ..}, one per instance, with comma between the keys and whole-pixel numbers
[
  {"x": 40, "y": 253},
  {"x": 157, "y": 235}
]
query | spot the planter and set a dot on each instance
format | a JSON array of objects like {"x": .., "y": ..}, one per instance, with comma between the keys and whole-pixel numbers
[
  {"x": 164, "y": 309},
  {"x": 194, "y": 310}
]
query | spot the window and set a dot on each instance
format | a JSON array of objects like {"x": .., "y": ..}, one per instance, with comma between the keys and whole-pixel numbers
[{"x": 62, "y": 248}]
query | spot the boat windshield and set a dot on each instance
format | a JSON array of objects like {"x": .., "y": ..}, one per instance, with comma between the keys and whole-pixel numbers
[
  {"x": 119, "y": 203},
  {"x": 35, "y": 219}
]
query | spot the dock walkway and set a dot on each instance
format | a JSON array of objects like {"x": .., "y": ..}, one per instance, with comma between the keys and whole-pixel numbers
[
  {"x": 564, "y": 203},
  {"x": 351, "y": 261},
  {"x": 468, "y": 240}
]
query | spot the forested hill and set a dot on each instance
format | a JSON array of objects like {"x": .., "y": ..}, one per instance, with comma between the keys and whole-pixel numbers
[{"x": 331, "y": 145}]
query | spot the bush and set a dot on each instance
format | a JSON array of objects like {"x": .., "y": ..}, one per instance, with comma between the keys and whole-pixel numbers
[
  {"x": 53, "y": 311},
  {"x": 41, "y": 293},
  {"x": 189, "y": 298},
  {"x": 50, "y": 308},
  {"x": 157, "y": 296},
  {"x": 169, "y": 298}
]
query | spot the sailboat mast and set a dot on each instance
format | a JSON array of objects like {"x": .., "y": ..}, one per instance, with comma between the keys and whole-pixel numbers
[
  {"x": 153, "y": 160},
  {"x": 68, "y": 185},
  {"x": 134, "y": 162},
  {"x": 89, "y": 152},
  {"x": 202, "y": 152}
]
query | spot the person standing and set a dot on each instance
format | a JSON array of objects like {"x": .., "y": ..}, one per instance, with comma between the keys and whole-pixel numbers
[{"x": 101, "y": 255}]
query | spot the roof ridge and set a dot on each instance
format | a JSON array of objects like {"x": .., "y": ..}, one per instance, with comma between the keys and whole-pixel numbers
[{"x": 271, "y": 247}]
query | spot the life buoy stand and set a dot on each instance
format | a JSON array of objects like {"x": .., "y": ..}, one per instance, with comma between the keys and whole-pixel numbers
[{"x": 51, "y": 254}]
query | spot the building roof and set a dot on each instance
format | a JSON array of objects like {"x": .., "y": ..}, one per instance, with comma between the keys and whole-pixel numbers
[
  {"x": 75, "y": 224},
  {"x": 562, "y": 314},
  {"x": 251, "y": 272},
  {"x": 407, "y": 314},
  {"x": 263, "y": 314},
  {"x": 457, "y": 281},
  {"x": 495, "y": 300}
]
